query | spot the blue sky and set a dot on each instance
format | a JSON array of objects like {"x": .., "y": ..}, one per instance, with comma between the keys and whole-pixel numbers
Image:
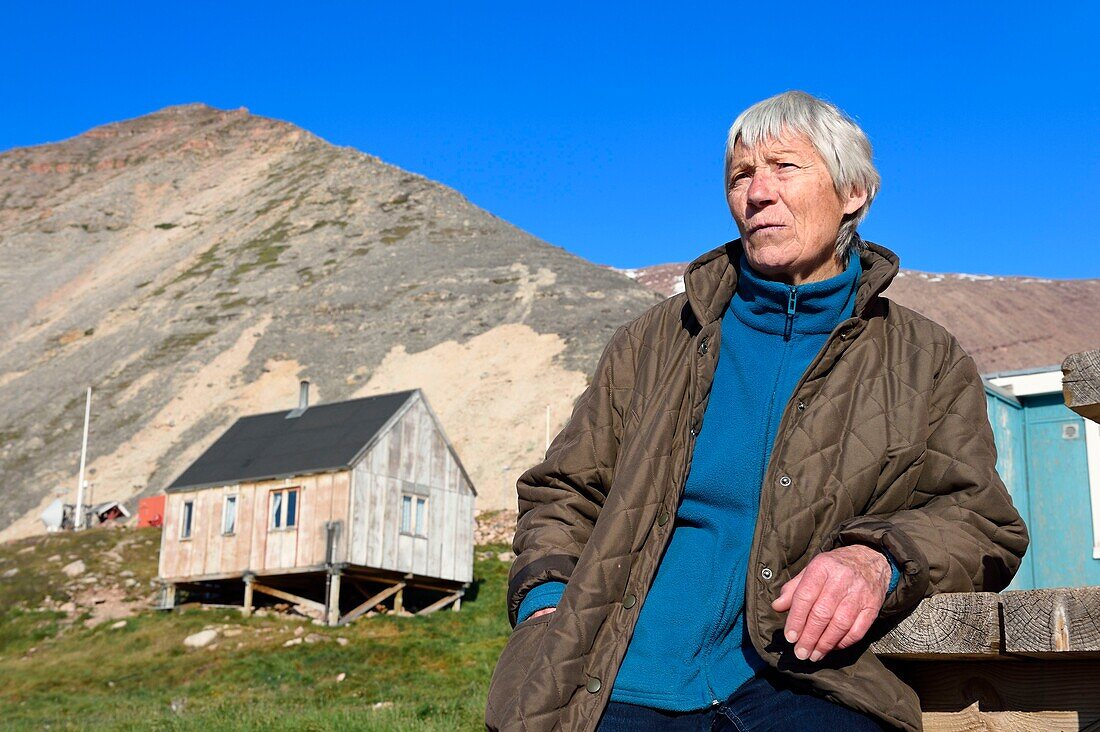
[{"x": 600, "y": 126}]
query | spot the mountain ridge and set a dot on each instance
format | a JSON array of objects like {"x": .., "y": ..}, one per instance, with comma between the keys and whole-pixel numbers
[{"x": 194, "y": 263}]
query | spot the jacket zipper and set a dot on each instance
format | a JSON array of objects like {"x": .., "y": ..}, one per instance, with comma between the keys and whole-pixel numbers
[
  {"x": 788, "y": 329},
  {"x": 764, "y": 508},
  {"x": 792, "y": 303}
]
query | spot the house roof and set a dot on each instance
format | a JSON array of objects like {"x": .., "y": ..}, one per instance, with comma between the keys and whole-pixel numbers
[{"x": 263, "y": 446}]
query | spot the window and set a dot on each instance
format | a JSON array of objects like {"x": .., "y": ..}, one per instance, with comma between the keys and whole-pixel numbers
[
  {"x": 284, "y": 508},
  {"x": 413, "y": 512},
  {"x": 229, "y": 516},
  {"x": 185, "y": 522}
]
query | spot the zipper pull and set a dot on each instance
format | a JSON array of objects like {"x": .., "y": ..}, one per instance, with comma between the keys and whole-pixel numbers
[{"x": 792, "y": 304}]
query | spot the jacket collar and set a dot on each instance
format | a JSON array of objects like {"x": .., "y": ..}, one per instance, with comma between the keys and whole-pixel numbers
[{"x": 711, "y": 280}]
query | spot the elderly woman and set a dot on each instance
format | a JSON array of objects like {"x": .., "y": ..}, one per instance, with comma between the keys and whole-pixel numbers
[{"x": 765, "y": 472}]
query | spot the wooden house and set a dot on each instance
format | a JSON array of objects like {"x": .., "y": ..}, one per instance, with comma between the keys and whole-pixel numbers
[
  {"x": 335, "y": 508},
  {"x": 1049, "y": 459}
]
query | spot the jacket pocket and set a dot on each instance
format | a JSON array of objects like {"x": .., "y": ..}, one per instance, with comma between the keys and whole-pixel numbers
[{"x": 512, "y": 666}]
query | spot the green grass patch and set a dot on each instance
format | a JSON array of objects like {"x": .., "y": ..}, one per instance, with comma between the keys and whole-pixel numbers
[
  {"x": 402, "y": 673},
  {"x": 206, "y": 264},
  {"x": 395, "y": 234},
  {"x": 234, "y": 303},
  {"x": 10, "y": 435},
  {"x": 175, "y": 344},
  {"x": 263, "y": 251}
]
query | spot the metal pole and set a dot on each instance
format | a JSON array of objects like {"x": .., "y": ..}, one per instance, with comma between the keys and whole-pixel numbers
[{"x": 78, "y": 520}]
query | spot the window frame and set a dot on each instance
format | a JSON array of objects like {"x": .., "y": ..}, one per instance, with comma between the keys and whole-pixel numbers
[
  {"x": 187, "y": 520},
  {"x": 226, "y": 499},
  {"x": 415, "y": 523},
  {"x": 278, "y": 522}
]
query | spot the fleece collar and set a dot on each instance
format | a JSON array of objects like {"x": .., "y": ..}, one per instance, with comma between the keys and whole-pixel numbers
[
  {"x": 777, "y": 308},
  {"x": 711, "y": 280}
]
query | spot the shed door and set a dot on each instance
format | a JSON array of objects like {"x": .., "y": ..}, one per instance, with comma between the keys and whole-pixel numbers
[
  {"x": 1006, "y": 416},
  {"x": 1061, "y": 506}
]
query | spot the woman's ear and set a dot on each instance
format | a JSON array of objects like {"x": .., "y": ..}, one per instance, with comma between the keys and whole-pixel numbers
[{"x": 854, "y": 200}]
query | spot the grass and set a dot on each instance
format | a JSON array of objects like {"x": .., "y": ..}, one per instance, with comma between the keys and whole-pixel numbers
[
  {"x": 178, "y": 343},
  {"x": 263, "y": 251},
  {"x": 205, "y": 265},
  {"x": 402, "y": 673},
  {"x": 394, "y": 234}
]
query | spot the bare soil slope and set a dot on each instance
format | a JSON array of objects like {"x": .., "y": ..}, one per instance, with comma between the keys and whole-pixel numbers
[{"x": 192, "y": 264}]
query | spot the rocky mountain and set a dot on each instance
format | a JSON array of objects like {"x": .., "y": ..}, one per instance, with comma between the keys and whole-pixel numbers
[
  {"x": 1005, "y": 323},
  {"x": 191, "y": 265}
]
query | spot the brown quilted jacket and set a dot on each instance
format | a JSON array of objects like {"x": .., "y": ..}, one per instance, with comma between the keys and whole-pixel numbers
[{"x": 885, "y": 441}]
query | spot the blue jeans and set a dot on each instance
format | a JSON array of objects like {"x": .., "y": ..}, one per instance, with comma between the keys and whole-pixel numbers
[{"x": 765, "y": 702}]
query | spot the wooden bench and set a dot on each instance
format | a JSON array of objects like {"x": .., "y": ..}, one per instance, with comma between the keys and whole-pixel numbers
[{"x": 1027, "y": 660}]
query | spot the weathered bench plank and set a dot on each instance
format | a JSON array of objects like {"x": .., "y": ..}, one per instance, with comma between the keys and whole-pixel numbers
[
  {"x": 956, "y": 625},
  {"x": 1027, "y": 660},
  {"x": 1081, "y": 383},
  {"x": 1061, "y": 621}
]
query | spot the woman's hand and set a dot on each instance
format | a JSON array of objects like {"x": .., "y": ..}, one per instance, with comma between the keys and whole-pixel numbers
[
  {"x": 834, "y": 600},
  {"x": 544, "y": 611}
]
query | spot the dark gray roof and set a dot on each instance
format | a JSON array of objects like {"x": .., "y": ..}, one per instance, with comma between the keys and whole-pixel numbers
[{"x": 324, "y": 437}]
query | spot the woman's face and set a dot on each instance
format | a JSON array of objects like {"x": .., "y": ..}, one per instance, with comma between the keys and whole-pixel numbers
[{"x": 787, "y": 210}]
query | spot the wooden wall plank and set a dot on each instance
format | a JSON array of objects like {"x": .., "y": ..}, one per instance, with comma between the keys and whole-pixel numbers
[
  {"x": 199, "y": 534},
  {"x": 1050, "y": 622},
  {"x": 257, "y": 560},
  {"x": 169, "y": 537},
  {"x": 375, "y": 512},
  {"x": 314, "y": 498},
  {"x": 356, "y": 527},
  {"x": 438, "y": 536},
  {"x": 376, "y": 507},
  {"x": 410, "y": 438},
  {"x": 397, "y": 440},
  {"x": 237, "y": 559},
  {"x": 405, "y": 544},
  {"x": 422, "y": 460},
  {"x": 464, "y": 568},
  {"x": 379, "y": 457},
  {"x": 453, "y": 533},
  {"x": 437, "y": 472},
  {"x": 212, "y": 562},
  {"x": 420, "y": 555},
  {"x": 391, "y": 518},
  {"x": 341, "y": 511}
]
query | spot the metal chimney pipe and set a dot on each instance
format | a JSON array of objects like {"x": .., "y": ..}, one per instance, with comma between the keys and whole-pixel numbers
[{"x": 303, "y": 395}]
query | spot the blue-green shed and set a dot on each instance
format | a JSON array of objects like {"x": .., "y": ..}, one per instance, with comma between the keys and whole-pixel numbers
[{"x": 1049, "y": 458}]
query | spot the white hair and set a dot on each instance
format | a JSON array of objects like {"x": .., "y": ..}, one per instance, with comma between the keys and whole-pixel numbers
[{"x": 837, "y": 139}]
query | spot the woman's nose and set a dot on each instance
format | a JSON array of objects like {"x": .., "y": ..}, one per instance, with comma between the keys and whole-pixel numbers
[{"x": 762, "y": 189}]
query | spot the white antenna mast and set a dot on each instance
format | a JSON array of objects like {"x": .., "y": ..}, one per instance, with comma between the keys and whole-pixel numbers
[{"x": 78, "y": 519}]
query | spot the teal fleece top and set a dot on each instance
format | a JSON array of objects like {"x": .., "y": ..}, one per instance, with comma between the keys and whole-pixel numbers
[{"x": 689, "y": 649}]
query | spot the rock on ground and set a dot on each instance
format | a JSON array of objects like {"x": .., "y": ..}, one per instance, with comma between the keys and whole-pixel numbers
[
  {"x": 200, "y": 639},
  {"x": 74, "y": 569}
]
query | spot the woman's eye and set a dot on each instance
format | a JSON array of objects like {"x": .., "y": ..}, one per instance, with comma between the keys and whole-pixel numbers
[{"x": 789, "y": 166}]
